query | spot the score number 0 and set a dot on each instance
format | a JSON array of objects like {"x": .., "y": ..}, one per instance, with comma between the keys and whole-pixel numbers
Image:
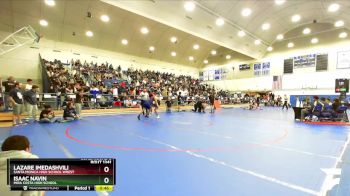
[{"x": 106, "y": 179}]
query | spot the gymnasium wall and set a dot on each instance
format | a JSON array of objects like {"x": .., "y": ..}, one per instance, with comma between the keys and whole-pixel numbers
[
  {"x": 23, "y": 62},
  {"x": 303, "y": 80}
]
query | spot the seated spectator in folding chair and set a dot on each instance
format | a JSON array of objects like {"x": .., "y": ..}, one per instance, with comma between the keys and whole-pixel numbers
[
  {"x": 323, "y": 101},
  {"x": 309, "y": 110},
  {"x": 335, "y": 105},
  {"x": 339, "y": 111},
  {"x": 69, "y": 113},
  {"x": 47, "y": 115},
  {"x": 327, "y": 111},
  {"x": 306, "y": 103},
  {"x": 105, "y": 102}
]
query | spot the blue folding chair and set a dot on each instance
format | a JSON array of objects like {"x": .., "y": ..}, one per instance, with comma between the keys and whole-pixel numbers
[
  {"x": 341, "y": 115},
  {"x": 317, "y": 110},
  {"x": 327, "y": 113}
]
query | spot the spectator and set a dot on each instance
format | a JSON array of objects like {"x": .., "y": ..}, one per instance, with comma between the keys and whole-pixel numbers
[
  {"x": 16, "y": 99},
  {"x": 310, "y": 109},
  {"x": 47, "y": 115},
  {"x": 168, "y": 104},
  {"x": 211, "y": 101},
  {"x": 199, "y": 106},
  {"x": 253, "y": 104},
  {"x": 179, "y": 101},
  {"x": 115, "y": 92},
  {"x": 8, "y": 85},
  {"x": 79, "y": 101},
  {"x": 285, "y": 103},
  {"x": 15, "y": 146},
  {"x": 29, "y": 84},
  {"x": 306, "y": 102},
  {"x": 335, "y": 105},
  {"x": 69, "y": 113},
  {"x": 105, "y": 78},
  {"x": 128, "y": 102},
  {"x": 279, "y": 101},
  {"x": 31, "y": 102},
  {"x": 105, "y": 101}
]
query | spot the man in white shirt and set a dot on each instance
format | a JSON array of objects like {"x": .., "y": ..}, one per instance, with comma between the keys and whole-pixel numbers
[
  {"x": 115, "y": 91},
  {"x": 144, "y": 95},
  {"x": 29, "y": 84},
  {"x": 144, "y": 101},
  {"x": 285, "y": 104}
]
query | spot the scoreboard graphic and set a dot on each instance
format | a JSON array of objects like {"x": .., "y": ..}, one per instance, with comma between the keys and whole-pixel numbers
[
  {"x": 342, "y": 85},
  {"x": 90, "y": 174}
]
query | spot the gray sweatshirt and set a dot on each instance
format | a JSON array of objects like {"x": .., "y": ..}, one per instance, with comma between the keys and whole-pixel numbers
[{"x": 4, "y": 189}]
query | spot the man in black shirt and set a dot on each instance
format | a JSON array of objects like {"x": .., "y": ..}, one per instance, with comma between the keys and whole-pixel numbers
[
  {"x": 179, "y": 101},
  {"x": 47, "y": 115},
  {"x": 31, "y": 102},
  {"x": 69, "y": 113},
  {"x": 198, "y": 106},
  {"x": 16, "y": 99},
  {"x": 335, "y": 105},
  {"x": 211, "y": 100},
  {"x": 8, "y": 85},
  {"x": 168, "y": 104}
]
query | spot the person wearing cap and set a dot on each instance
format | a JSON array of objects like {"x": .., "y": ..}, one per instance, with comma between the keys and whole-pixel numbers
[
  {"x": 15, "y": 147},
  {"x": 16, "y": 99},
  {"x": 31, "y": 102}
]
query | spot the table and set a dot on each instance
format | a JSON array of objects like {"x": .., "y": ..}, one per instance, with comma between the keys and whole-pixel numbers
[{"x": 297, "y": 112}]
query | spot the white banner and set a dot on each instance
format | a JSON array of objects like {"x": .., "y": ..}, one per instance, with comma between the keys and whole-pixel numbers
[{"x": 343, "y": 60}]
